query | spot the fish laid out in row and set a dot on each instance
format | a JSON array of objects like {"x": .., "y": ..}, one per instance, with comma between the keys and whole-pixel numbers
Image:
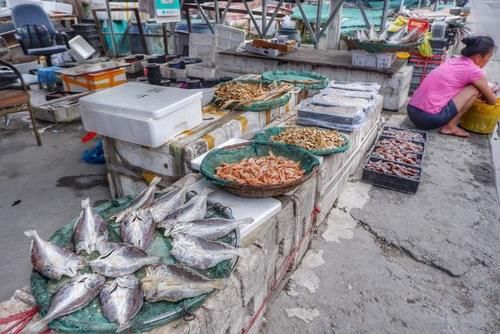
[{"x": 121, "y": 294}]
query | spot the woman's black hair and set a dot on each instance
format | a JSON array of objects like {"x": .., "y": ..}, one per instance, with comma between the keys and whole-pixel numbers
[{"x": 477, "y": 45}]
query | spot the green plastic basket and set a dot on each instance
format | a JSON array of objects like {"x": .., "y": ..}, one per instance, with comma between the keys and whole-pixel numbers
[
  {"x": 265, "y": 137},
  {"x": 235, "y": 153},
  {"x": 297, "y": 78},
  {"x": 152, "y": 315},
  {"x": 274, "y": 103}
]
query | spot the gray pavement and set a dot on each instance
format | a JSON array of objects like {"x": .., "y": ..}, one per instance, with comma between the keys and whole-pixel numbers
[
  {"x": 387, "y": 262},
  {"x": 41, "y": 188}
]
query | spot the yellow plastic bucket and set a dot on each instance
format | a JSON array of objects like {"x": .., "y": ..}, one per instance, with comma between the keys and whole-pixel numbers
[{"x": 482, "y": 117}]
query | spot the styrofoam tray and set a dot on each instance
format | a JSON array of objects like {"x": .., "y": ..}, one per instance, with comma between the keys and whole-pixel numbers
[{"x": 260, "y": 209}]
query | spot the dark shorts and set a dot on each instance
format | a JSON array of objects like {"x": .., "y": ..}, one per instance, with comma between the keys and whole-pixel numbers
[{"x": 426, "y": 121}]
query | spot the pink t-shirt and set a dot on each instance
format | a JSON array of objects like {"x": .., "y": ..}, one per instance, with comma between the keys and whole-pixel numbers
[{"x": 444, "y": 82}]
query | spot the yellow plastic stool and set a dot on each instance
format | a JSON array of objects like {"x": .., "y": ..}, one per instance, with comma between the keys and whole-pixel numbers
[{"x": 482, "y": 117}]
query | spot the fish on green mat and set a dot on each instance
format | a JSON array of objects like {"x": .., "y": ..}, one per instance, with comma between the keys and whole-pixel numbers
[
  {"x": 71, "y": 297},
  {"x": 174, "y": 283},
  {"x": 53, "y": 261},
  {"x": 121, "y": 300}
]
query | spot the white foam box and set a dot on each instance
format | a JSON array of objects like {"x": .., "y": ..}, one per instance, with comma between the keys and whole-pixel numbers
[{"x": 140, "y": 113}]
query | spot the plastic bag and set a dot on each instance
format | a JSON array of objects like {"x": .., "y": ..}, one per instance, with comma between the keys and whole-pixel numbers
[
  {"x": 425, "y": 49},
  {"x": 94, "y": 156},
  {"x": 399, "y": 23}
]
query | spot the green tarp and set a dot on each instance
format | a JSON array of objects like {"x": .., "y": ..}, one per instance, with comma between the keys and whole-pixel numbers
[{"x": 351, "y": 17}]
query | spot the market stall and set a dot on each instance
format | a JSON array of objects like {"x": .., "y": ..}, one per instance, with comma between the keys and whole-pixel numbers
[{"x": 260, "y": 198}]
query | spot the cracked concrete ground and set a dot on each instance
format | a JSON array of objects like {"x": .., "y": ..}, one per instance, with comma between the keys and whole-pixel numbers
[{"x": 397, "y": 263}]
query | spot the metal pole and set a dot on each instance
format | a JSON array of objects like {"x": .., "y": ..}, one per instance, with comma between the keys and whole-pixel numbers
[
  {"x": 226, "y": 10},
  {"x": 361, "y": 8},
  {"x": 317, "y": 28},
  {"x": 334, "y": 12},
  {"x": 385, "y": 13},
  {"x": 402, "y": 5},
  {"x": 252, "y": 18},
  {"x": 216, "y": 9},
  {"x": 435, "y": 6},
  {"x": 165, "y": 37},
  {"x": 263, "y": 18},
  {"x": 110, "y": 20},
  {"x": 204, "y": 16},
  {"x": 306, "y": 21},
  {"x": 271, "y": 20}
]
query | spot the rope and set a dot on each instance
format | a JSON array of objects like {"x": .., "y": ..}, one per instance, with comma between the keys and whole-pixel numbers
[{"x": 19, "y": 321}]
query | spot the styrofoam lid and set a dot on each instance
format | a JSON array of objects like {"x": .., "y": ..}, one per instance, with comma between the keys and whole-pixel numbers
[{"x": 141, "y": 100}]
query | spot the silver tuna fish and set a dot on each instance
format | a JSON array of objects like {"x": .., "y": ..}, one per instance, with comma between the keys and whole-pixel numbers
[
  {"x": 124, "y": 259},
  {"x": 144, "y": 199},
  {"x": 89, "y": 230},
  {"x": 200, "y": 253},
  {"x": 194, "y": 209},
  {"x": 173, "y": 283},
  {"x": 209, "y": 229},
  {"x": 70, "y": 297},
  {"x": 138, "y": 228},
  {"x": 52, "y": 261},
  {"x": 121, "y": 300}
]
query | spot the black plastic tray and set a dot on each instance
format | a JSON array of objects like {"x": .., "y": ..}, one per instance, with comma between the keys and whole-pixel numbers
[
  {"x": 411, "y": 141},
  {"x": 392, "y": 182},
  {"x": 423, "y": 133},
  {"x": 420, "y": 156}
]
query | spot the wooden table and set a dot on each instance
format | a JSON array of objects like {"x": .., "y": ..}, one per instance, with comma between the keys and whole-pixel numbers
[{"x": 315, "y": 57}]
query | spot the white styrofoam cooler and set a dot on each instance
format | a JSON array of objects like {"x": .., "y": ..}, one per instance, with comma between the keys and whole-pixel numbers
[{"x": 140, "y": 113}]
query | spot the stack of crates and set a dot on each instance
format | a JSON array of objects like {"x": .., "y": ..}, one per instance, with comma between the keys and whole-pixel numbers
[{"x": 422, "y": 67}]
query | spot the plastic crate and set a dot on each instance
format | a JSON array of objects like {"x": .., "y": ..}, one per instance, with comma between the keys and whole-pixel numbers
[
  {"x": 422, "y": 133},
  {"x": 422, "y": 67},
  {"x": 392, "y": 182},
  {"x": 419, "y": 24},
  {"x": 94, "y": 81},
  {"x": 420, "y": 157},
  {"x": 422, "y": 144}
]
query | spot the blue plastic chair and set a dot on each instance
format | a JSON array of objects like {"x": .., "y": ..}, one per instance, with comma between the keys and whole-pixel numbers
[{"x": 32, "y": 14}]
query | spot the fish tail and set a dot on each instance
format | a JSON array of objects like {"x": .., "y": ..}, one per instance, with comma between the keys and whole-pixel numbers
[
  {"x": 238, "y": 236},
  {"x": 37, "y": 327},
  {"x": 33, "y": 234},
  {"x": 155, "y": 181},
  {"x": 124, "y": 326},
  {"x": 85, "y": 203}
]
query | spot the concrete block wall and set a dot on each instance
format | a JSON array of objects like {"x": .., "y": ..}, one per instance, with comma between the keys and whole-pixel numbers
[
  {"x": 272, "y": 253},
  {"x": 394, "y": 89}
]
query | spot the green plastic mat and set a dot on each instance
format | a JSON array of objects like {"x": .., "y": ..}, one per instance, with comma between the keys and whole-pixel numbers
[
  {"x": 90, "y": 319},
  {"x": 266, "y": 138},
  {"x": 237, "y": 153},
  {"x": 274, "y": 103},
  {"x": 297, "y": 78}
]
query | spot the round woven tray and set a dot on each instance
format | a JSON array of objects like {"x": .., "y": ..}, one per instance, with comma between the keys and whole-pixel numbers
[
  {"x": 234, "y": 153},
  {"x": 266, "y": 138},
  {"x": 273, "y": 103}
]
